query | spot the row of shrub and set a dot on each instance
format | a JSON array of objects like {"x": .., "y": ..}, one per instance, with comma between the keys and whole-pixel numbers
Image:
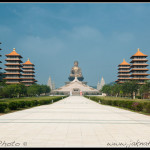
[
  {"x": 19, "y": 104},
  {"x": 141, "y": 106}
]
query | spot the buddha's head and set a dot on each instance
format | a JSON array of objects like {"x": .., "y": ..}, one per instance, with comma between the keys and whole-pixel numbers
[{"x": 76, "y": 63}]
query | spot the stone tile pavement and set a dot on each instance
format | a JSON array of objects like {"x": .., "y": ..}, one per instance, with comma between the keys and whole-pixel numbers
[{"x": 74, "y": 122}]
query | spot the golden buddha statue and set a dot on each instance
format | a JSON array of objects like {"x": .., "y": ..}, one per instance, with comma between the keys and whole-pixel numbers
[{"x": 76, "y": 72}]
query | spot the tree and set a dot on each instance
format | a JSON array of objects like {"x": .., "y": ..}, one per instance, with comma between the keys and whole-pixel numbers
[
  {"x": 107, "y": 89},
  {"x": 116, "y": 89},
  {"x": 8, "y": 91},
  {"x": 44, "y": 89},
  {"x": 145, "y": 88},
  {"x": 130, "y": 87},
  {"x": 33, "y": 90},
  {"x": 3, "y": 83},
  {"x": 14, "y": 90}
]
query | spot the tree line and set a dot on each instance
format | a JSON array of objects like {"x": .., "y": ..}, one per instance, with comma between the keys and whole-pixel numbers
[
  {"x": 127, "y": 89},
  {"x": 20, "y": 90}
]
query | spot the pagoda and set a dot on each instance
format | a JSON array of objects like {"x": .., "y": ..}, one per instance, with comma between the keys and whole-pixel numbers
[
  {"x": 138, "y": 67},
  {"x": 124, "y": 72},
  {"x": 28, "y": 73},
  {"x": 0, "y": 62},
  {"x": 100, "y": 84},
  {"x": 49, "y": 83},
  {"x": 13, "y": 68}
]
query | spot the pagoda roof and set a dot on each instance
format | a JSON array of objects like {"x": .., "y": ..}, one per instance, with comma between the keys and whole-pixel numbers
[
  {"x": 13, "y": 53},
  {"x": 124, "y": 63},
  {"x": 27, "y": 62},
  {"x": 139, "y": 53}
]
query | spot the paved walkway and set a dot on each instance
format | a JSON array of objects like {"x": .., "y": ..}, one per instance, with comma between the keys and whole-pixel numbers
[{"x": 74, "y": 122}]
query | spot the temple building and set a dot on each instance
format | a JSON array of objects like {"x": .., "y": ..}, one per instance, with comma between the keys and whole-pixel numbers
[
  {"x": 138, "y": 67},
  {"x": 0, "y": 66},
  {"x": 76, "y": 87},
  {"x": 13, "y": 67},
  {"x": 124, "y": 72},
  {"x": 28, "y": 73}
]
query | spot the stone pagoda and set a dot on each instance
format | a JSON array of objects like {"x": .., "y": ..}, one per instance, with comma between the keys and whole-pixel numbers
[
  {"x": 100, "y": 84},
  {"x": 51, "y": 84}
]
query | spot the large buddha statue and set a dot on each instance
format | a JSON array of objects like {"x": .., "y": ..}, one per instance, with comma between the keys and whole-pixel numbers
[{"x": 76, "y": 72}]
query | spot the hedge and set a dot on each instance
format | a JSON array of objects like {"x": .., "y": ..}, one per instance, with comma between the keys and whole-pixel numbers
[
  {"x": 135, "y": 105},
  {"x": 3, "y": 107},
  {"x": 18, "y": 104}
]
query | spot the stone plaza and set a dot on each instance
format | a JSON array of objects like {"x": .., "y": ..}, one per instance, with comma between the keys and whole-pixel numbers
[{"x": 74, "y": 122}]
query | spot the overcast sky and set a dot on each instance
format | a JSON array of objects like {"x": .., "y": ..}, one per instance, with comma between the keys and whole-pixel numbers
[{"x": 54, "y": 35}]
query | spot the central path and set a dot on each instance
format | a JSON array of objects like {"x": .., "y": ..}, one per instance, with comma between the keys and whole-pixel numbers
[{"x": 74, "y": 122}]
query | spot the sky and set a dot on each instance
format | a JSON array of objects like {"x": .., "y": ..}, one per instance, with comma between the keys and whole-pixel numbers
[{"x": 54, "y": 35}]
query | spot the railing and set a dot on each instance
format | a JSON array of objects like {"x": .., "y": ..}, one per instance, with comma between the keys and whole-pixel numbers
[
  {"x": 140, "y": 64},
  {"x": 13, "y": 63}
]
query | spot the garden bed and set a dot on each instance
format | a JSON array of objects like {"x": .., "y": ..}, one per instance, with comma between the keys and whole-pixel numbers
[
  {"x": 130, "y": 104},
  {"x": 9, "y": 105}
]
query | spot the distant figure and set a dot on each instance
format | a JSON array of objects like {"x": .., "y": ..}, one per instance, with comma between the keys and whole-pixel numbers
[
  {"x": 80, "y": 93},
  {"x": 76, "y": 72}
]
